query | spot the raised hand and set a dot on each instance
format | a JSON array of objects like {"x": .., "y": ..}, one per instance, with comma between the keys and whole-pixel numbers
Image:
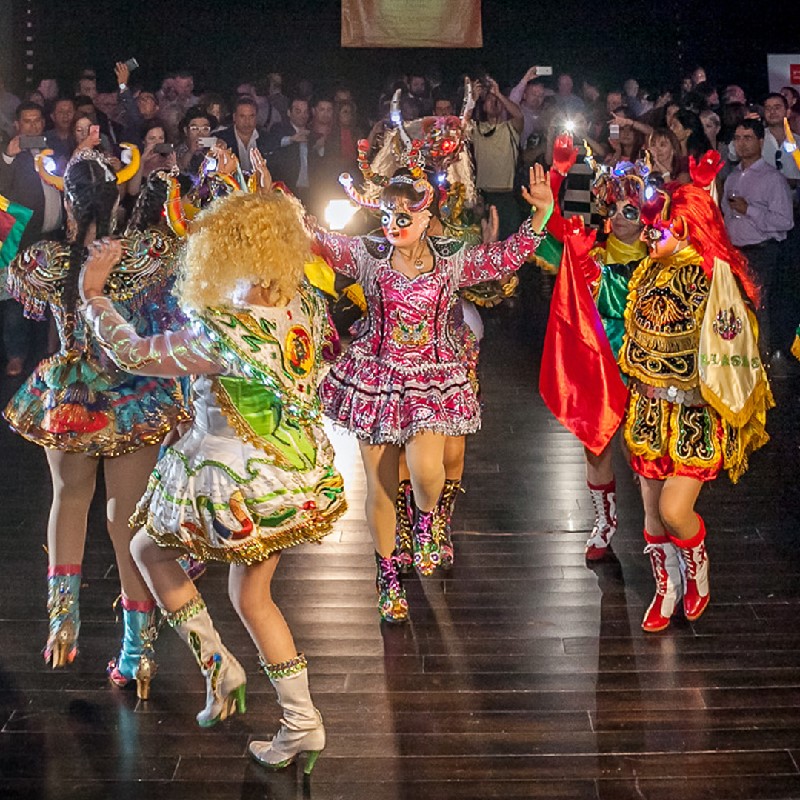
[
  {"x": 540, "y": 196},
  {"x": 490, "y": 226},
  {"x": 227, "y": 162},
  {"x": 261, "y": 169},
  {"x": 538, "y": 192},
  {"x": 104, "y": 255},
  {"x": 565, "y": 154},
  {"x": 581, "y": 240},
  {"x": 705, "y": 169},
  {"x": 122, "y": 72}
]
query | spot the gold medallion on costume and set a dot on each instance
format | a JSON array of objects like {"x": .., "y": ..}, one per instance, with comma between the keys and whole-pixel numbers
[{"x": 298, "y": 351}]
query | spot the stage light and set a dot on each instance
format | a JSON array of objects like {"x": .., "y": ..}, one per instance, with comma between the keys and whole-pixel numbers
[{"x": 338, "y": 214}]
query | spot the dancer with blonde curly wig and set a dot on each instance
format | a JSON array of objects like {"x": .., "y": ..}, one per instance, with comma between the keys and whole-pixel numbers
[{"x": 254, "y": 475}]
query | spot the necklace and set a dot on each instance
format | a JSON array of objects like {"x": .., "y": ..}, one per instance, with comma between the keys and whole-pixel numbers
[{"x": 416, "y": 258}]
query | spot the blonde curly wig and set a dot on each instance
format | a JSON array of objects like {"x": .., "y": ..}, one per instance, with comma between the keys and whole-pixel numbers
[{"x": 240, "y": 241}]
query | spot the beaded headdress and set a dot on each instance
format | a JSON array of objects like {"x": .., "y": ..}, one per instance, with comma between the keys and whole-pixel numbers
[{"x": 626, "y": 182}]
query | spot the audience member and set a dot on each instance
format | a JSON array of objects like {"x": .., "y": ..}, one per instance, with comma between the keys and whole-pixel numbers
[{"x": 757, "y": 206}]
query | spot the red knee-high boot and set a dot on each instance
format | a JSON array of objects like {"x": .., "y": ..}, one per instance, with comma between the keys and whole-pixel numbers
[
  {"x": 694, "y": 564},
  {"x": 666, "y": 566}
]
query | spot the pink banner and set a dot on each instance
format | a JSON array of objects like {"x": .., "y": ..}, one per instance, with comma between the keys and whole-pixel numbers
[{"x": 411, "y": 23}]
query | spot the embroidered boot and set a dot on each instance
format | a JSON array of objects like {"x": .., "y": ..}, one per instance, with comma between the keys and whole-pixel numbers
[
  {"x": 225, "y": 678},
  {"x": 301, "y": 728},
  {"x": 63, "y": 589},
  {"x": 667, "y": 573},
  {"x": 442, "y": 523},
  {"x": 604, "y": 500},
  {"x": 404, "y": 509},
  {"x": 392, "y": 602},
  {"x": 136, "y": 658},
  {"x": 694, "y": 564},
  {"x": 426, "y": 549}
]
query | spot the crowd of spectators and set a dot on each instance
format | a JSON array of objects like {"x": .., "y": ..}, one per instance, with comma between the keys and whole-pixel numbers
[{"x": 308, "y": 134}]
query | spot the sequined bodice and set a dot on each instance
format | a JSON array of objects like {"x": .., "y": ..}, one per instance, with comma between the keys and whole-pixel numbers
[
  {"x": 663, "y": 319},
  {"x": 140, "y": 285},
  {"x": 409, "y": 320}
]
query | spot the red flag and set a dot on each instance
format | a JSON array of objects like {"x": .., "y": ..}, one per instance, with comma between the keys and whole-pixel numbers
[{"x": 579, "y": 379}]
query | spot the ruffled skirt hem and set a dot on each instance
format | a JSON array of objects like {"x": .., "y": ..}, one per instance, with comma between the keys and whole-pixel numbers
[{"x": 387, "y": 405}]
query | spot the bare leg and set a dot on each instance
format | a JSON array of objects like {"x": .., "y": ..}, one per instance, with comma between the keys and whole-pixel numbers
[
  {"x": 169, "y": 584},
  {"x": 455, "y": 448},
  {"x": 250, "y": 592},
  {"x": 425, "y": 457},
  {"x": 651, "y": 495},
  {"x": 599, "y": 469},
  {"x": 126, "y": 480},
  {"x": 403, "y": 471},
  {"x": 73, "y": 476},
  {"x": 676, "y": 506},
  {"x": 381, "y": 466}
]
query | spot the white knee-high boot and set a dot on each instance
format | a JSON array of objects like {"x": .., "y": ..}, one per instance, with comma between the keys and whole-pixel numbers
[
  {"x": 301, "y": 728},
  {"x": 225, "y": 677}
]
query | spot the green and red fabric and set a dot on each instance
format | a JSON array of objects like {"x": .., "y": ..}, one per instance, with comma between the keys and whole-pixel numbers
[
  {"x": 579, "y": 379},
  {"x": 13, "y": 219}
]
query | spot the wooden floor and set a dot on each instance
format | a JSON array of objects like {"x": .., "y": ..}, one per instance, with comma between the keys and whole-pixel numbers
[{"x": 523, "y": 673}]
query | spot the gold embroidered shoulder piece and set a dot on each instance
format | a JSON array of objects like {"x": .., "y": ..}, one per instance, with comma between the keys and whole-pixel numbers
[
  {"x": 663, "y": 316},
  {"x": 37, "y": 276}
]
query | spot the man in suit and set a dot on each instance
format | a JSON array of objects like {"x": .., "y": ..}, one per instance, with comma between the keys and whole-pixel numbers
[
  {"x": 290, "y": 159},
  {"x": 243, "y": 135},
  {"x": 20, "y": 183}
]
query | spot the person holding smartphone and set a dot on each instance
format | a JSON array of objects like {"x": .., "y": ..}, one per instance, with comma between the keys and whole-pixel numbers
[
  {"x": 20, "y": 183},
  {"x": 157, "y": 154},
  {"x": 195, "y": 139}
]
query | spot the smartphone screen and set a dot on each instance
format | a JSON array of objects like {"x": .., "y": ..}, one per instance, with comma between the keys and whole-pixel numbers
[
  {"x": 207, "y": 141},
  {"x": 32, "y": 143}
]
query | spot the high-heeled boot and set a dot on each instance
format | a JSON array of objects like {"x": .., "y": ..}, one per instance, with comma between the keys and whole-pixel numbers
[
  {"x": 404, "y": 511},
  {"x": 301, "y": 728},
  {"x": 604, "y": 500},
  {"x": 136, "y": 660},
  {"x": 669, "y": 588},
  {"x": 225, "y": 677},
  {"x": 392, "y": 602},
  {"x": 63, "y": 590},
  {"x": 442, "y": 523},
  {"x": 426, "y": 549},
  {"x": 694, "y": 563}
]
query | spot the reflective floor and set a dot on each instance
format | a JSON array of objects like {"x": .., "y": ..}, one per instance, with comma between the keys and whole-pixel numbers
[{"x": 523, "y": 673}]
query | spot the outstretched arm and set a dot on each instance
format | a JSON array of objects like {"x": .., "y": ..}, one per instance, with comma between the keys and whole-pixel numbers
[
  {"x": 171, "y": 354},
  {"x": 493, "y": 260},
  {"x": 338, "y": 250}
]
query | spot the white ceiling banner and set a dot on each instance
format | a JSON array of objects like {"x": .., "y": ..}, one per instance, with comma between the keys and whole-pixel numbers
[{"x": 411, "y": 23}]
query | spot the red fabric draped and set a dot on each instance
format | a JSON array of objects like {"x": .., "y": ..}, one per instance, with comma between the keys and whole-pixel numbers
[{"x": 579, "y": 379}]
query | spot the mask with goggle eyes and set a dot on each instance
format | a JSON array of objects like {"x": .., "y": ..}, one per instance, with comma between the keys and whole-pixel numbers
[
  {"x": 628, "y": 211},
  {"x": 399, "y": 217}
]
